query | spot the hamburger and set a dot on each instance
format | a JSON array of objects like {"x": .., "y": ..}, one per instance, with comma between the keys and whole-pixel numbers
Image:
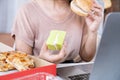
[
  {"x": 81, "y": 7},
  {"x": 107, "y": 3}
]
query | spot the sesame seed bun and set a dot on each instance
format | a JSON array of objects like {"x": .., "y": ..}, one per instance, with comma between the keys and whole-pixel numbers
[{"x": 81, "y": 7}]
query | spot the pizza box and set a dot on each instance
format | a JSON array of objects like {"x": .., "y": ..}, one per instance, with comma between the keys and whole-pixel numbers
[{"x": 43, "y": 68}]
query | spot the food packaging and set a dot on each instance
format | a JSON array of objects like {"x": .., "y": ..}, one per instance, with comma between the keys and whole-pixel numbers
[
  {"x": 42, "y": 68},
  {"x": 55, "y": 40}
]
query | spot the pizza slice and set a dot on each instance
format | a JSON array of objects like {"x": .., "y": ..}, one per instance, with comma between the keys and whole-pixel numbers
[
  {"x": 4, "y": 66},
  {"x": 21, "y": 61}
]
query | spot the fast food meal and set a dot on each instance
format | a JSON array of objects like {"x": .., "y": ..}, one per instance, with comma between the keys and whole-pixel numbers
[
  {"x": 81, "y": 7},
  {"x": 107, "y": 3},
  {"x": 15, "y": 60},
  {"x": 56, "y": 39},
  {"x": 4, "y": 66}
]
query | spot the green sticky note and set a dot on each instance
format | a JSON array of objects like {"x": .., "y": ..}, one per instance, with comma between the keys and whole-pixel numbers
[{"x": 55, "y": 40}]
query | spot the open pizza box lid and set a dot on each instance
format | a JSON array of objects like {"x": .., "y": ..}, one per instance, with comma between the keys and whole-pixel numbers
[{"x": 41, "y": 65}]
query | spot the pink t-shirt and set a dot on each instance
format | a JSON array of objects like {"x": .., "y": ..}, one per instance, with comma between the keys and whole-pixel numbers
[{"x": 33, "y": 26}]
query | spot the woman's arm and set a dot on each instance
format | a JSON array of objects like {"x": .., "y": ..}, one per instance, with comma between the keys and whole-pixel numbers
[
  {"x": 89, "y": 41},
  {"x": 22, "y": 46},
  {"x": 22, "y": 31},
  {"x": 88, "y": 47}
]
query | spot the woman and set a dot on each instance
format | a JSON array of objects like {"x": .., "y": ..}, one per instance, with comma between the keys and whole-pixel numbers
[{"x": 36, "y": 19}]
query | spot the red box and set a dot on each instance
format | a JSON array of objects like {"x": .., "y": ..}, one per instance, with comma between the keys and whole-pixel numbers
[
  {"x": 42, "y": 71},
  {"x": 39, "y": 73}
]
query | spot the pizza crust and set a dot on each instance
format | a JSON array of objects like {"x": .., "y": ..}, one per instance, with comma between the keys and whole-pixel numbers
[
  {"x": 4, "y": 66},
  {"x": 15, "y": 59}
]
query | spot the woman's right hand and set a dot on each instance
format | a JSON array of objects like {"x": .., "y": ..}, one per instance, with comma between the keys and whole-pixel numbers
[{"x": 54, "y": 58}]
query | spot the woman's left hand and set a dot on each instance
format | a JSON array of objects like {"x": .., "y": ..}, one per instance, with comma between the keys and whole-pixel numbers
[{"x": 94, "y": 17}]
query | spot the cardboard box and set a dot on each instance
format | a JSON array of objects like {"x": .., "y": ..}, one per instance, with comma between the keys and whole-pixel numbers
[
  {"x": 55, "y": 39},
  {"x": 43, "y": 68}
]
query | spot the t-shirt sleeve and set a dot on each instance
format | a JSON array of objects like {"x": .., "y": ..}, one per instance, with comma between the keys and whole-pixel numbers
[{"x": 22, "y": 28}]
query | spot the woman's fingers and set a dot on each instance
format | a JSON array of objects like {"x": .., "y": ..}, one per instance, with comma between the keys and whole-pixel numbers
[
  {"x": 55, "y": 58},
  {"x": 44, "y": 47},
  {"x": 96, "y": 12},
  {"x": 97, "y": 9},
  {"x": 96, "y": 5},
  {"x": 43, "y": 51},
  {"x": 63, "y": 51},
  {"x": 58, "y": 57},
  {"x": 94, "y": 17}
]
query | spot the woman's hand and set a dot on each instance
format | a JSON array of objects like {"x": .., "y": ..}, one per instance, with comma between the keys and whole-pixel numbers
[
  {"x": 90, "y": 32},
  {"x": 54, "y": 58},
  {"x": 94, "y": 17}
]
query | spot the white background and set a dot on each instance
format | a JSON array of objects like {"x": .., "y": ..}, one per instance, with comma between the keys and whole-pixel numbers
[{"x": 8, "y": 10}]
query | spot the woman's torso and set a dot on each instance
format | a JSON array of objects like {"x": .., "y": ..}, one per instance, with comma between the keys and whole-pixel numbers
[{"x": 42, "y": 25}]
